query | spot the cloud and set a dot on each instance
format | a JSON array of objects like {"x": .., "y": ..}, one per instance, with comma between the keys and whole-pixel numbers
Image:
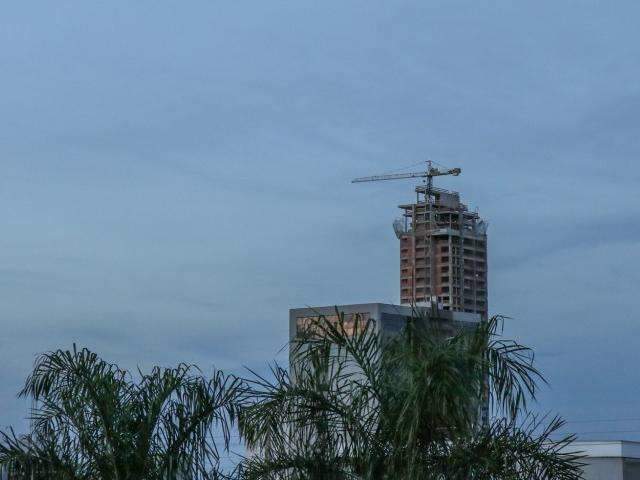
[{"x": 171, "y": 187}]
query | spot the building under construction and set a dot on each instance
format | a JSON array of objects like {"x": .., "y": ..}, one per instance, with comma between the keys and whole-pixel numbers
[
  {"x": 443, "y": 247},
  {"x": 443, "y": 252}
]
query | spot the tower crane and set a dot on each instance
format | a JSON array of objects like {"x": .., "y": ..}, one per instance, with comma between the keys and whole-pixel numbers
[{"x": 429, "y": 173}]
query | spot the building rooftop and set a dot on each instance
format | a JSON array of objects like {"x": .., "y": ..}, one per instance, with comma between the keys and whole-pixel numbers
[
  {"x": 606, "y": 449},
  {"x": 431, "y": 310}
]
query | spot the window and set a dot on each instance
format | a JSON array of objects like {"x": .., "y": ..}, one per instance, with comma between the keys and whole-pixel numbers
[{"x": 351, "y": 321}]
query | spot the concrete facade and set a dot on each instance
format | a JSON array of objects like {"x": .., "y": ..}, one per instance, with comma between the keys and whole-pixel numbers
[
  {"x": 610, "y": 460},
  {"x": 443, "y": 252}
]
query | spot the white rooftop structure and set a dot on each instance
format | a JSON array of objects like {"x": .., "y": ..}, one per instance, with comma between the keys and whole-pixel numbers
[{"x": 609, "y": 460}]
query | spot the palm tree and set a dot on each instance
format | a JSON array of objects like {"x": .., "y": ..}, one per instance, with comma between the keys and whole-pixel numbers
[
  {"x": 92, "y": 421},
  {"x": 360, "y": 406}
]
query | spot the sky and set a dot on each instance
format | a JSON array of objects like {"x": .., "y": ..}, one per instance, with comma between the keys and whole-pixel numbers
[{"x": 175, "y": 176}]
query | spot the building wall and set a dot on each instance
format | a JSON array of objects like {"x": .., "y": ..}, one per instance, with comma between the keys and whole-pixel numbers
[
  {"x": 608, "y": 459},
  {"x": 604, "y": 469},
  {"x": 631, "y": 469},
  {"x": 611, "y": 469}
]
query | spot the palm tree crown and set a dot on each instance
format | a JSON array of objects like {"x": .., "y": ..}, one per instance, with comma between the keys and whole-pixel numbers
[
  {"x": 91, "y": 421},
  {"x": 361, "y": 406}
]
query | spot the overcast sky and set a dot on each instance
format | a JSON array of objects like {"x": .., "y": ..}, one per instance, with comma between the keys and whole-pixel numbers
[{"x": 175, "y": 176}]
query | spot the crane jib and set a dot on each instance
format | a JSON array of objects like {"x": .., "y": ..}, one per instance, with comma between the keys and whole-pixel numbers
[
  {"x": 429, "y": 173},
  {"x": 397, "y": 176}
]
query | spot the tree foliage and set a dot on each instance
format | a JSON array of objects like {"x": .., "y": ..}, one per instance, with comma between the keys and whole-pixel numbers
[
  {"x": 358, "y": 405},
  {"x": 428, "y": 402},
  {"x": 92, "y": 421}
]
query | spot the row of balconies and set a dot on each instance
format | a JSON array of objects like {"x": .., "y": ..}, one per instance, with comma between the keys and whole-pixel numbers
[
  {"x": 407, "y": 298},
  {"x": 456, "y": 300},
  {"x": 475, "y": 253},
  {"x": 479, "y": 264},
  {"x": 471, "y": 273},
  {"x": 478, "y": 293},
  {"x": 418, "y": 281},
  {"x": 477, "y": 303},
  {"x": 471, "y": 268},
  {"x": 420, "y": 291},
  {"x": 468, "y": 288},
  {"x": 473, "y": 243},
  {"x": 479, "y": 246}
]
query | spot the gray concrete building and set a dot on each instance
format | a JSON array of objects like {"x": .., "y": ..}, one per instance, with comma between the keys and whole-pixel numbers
[
  {"x": 388, "y": 319},
  {"x": 609, "y": 460}
]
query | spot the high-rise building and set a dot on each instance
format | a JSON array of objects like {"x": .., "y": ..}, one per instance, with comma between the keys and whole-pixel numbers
[{"x": 443, "y": 252}]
